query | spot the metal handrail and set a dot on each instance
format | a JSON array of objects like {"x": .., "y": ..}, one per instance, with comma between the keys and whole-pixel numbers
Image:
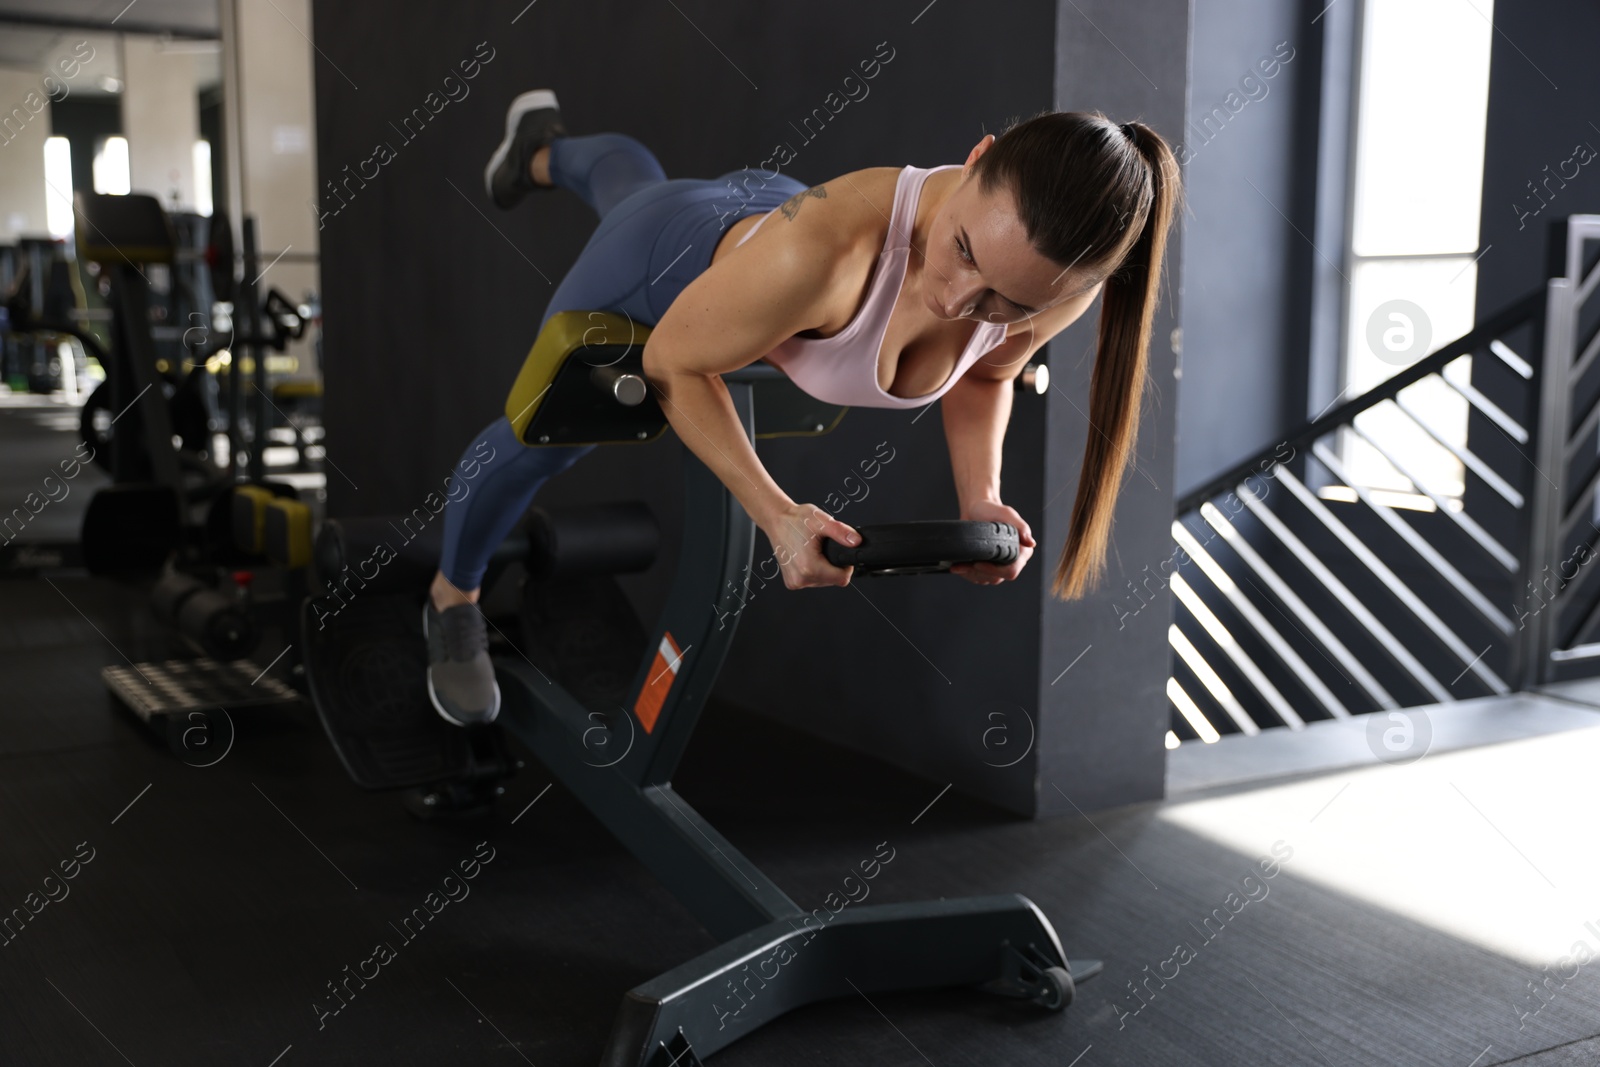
[
  {"x": 1415, "y": 628},
  {"x": 1490, "y": 329}
]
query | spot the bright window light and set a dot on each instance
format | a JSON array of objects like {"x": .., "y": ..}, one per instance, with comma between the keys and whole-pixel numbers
[
  {"x": 111, "y": 167},
  {"x": 1419, "y": 141},
  {"x": 202, "y": 177},
  {"x": 58, "y": 186},
  {"x": 1417, "y": 197},
  {"x": 1444, "y": 289}
]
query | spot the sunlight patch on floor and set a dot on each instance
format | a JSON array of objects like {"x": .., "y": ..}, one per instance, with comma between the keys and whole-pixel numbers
[{"x": 1497, "y": 846}]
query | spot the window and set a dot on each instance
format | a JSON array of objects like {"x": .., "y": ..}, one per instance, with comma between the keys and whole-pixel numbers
[
  {"x": 1422, "y": 92},
  {"x": 58, "y": 186},
  {"x": 111, "y": 167},
  {"x": 202, "y": 177}
]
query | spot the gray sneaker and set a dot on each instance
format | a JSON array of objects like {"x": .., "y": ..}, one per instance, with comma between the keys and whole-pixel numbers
[
  {"x": 461, "y": 681},
  {"x": 532, "y": 121}
]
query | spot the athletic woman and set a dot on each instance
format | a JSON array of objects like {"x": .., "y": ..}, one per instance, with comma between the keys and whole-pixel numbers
[{"x": 884, "y": 287}]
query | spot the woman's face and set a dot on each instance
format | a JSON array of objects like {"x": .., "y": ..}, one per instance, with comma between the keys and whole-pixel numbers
[{"x": 979, "y": 263}]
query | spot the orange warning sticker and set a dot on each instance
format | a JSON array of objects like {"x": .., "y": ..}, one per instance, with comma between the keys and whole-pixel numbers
[{"x": 663, "y": 672}]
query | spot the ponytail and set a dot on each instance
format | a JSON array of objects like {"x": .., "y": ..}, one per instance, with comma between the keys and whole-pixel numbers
[
  {"x": 1116, "y": 387},
  {"x": 1097, "y": 198}
]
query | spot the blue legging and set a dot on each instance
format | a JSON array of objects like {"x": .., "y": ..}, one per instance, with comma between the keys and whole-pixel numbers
[{"x": 655, "y": 237}]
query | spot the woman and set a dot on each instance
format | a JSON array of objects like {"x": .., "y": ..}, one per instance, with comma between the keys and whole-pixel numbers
[{"x": 882, "y": 288}]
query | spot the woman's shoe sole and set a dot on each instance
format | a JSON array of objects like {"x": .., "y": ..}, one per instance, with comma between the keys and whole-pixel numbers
[{"x": 533, "y": 100}]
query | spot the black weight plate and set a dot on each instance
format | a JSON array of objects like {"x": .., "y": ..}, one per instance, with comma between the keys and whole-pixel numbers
[{"x": 926, "y": 547}]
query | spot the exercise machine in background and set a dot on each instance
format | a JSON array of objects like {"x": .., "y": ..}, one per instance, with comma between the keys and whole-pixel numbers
[{"x": 222, "y": 548}]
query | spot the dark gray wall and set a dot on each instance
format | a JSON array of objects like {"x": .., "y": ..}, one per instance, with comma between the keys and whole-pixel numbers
[
  {"x": 1544, "y": 100},
  {"x": 432, "y": 299},
  {"x": 1103, "y": 667},
  {"x": 910, "y": 669},
  {"x": 972, "y": 686},
  {"x": 931, "y": 674},
  {"x": 1543, "y": 88},
  {"x": 430, "y": 306},
  {"x": 1250, "y": 152}
]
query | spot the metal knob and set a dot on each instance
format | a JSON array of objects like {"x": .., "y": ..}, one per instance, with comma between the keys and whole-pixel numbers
[
  {"x": 1035, "y": 378},
  {"x": 626, "y": 388}
]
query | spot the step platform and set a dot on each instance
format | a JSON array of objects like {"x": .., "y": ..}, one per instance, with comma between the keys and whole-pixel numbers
[{"x": 193, "y": 700}]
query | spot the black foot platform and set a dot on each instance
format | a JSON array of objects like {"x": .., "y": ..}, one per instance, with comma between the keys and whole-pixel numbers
[{"x": 367, "y": 663}]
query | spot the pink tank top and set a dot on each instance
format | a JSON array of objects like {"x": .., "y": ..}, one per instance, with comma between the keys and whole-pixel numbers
[{"x": 843, "y": 369}]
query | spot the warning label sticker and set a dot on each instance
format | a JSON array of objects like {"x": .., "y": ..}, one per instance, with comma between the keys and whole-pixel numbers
[{"x": 663, "y": 672}]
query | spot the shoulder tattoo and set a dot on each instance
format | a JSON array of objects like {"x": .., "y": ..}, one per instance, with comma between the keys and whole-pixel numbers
[{"x": 791, "y": 206}]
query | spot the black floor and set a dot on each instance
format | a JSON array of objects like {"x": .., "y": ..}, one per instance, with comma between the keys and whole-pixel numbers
[{"x": 221, "y": 901}]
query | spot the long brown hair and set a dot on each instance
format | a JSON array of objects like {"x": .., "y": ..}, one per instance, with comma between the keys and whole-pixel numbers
[{"x": 1098, "y": 199}]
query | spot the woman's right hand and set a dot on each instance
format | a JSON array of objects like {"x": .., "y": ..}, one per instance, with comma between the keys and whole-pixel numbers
[{"x": 797, "y": 533}]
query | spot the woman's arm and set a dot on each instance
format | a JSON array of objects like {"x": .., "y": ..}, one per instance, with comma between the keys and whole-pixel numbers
[
  {"x": 977, "y": 409},
  {"x": 737, "y": 311}
]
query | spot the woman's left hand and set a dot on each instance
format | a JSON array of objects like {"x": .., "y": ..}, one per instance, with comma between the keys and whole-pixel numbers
[{"x": 993, "y": 573}]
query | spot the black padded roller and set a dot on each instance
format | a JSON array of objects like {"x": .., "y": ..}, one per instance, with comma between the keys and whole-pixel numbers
[
  {"x": 379, "y": 553},
  {"x": 390, "y": 553},
  {"x": 927, "y": 547},
  {"x": 593, "y": 539},
  {"x": 399, "y": 554}
]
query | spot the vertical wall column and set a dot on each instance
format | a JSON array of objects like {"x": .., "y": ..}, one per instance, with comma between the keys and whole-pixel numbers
[
  {"x": 1104, "y": 660},
  {"x": 270, "y": 141},
  {"x": 1264, "y": 169},
  {"x": 161, "y": 119}
]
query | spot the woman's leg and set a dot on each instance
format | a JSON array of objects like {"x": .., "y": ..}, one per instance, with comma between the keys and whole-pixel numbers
[
  {"x": 603, "y": 169},
  {"x": 634, "y": 264},
  {"x": 507, "y": 475}
]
